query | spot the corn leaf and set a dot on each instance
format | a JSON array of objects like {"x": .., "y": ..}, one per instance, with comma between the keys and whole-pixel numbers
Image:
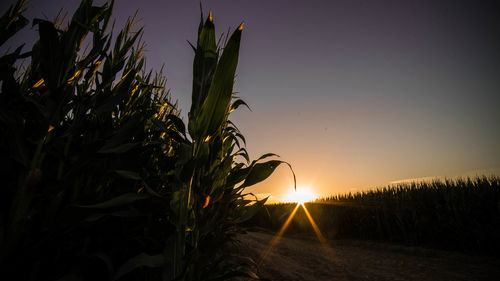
[
  {"x": 250, "y": 211},
  {"x": 262, "y": 171},
  {"x": 237, "y": 104},
  {"x": 117, "y": 149},
  {"x": 121, "y": 200},
  {"x": 50, "y": 51},
  {"x": 204, "y": 64},
  {"x": 128, "y": 174},
  {"x": 141, "y": 260},
  {"x": 215, "y": 107},
  {"x": 119, "y": 93},
  {"x": 12, "y": 21}
]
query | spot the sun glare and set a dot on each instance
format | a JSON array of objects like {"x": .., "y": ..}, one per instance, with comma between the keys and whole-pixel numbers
[{"x": 301, "y": 195}]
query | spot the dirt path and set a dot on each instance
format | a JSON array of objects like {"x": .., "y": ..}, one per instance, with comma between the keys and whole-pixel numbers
[{"x": 305, "y": 259}]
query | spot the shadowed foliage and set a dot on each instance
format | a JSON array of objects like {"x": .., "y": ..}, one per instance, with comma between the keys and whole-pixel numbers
[
  {"x": 100, "y": 180},
  {"x": 453, "y": 214}
]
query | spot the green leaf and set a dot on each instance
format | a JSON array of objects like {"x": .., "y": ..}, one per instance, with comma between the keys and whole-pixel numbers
[
  {"x": 173, "y": 133},
  {"x": 121, "y": 200},
  {"x": 128, "y": 174},
  {"x": 237, "y": 175},
  {"x": 129, "y": 128},
  {"x": 109, "y": 149},
  {"x": 121, "y": 91},
  {"x": 50, "y": 53},
  {"x": 12, "y": 21},
  {"x": 141, "y": 260},
  {"x": 266, "y": 156},
  {"x": 243, "y": 153},
  {"x": 178, "y": 123},
  {"x": 262, "y": 171},
  {"x": 216, "y": 106},
  {"x": 127, "y": 214},
  {"x": 204, "y": 64},
  {"x": 237, "y": 104}
]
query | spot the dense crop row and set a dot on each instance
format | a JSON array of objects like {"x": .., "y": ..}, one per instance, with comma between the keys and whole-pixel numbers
[
  {"x": 99, "y": 178},
  {"x": 459, "y": 214}
]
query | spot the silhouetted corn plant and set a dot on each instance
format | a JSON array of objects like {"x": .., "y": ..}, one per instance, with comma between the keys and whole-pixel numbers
[
  {"x": 211, "y": 201},
  {"x": 462, "y": 214},
  {"x": 99, "y": 179},
  {"x": 86, "y": 168}
]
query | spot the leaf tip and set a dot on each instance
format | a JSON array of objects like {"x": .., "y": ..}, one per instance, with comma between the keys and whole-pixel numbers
[
  {"x": 210, "y": 18},
  {"x": 240, "y": 28}
]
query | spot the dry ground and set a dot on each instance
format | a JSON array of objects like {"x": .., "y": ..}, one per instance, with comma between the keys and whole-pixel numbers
[{"x": 306, "y": 259}]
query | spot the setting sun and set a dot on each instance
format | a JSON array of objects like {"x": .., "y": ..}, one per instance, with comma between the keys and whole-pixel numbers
[{"x": 301, "y": 195}]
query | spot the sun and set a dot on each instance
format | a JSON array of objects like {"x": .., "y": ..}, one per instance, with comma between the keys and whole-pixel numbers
[{"x": 300, "y": 196}]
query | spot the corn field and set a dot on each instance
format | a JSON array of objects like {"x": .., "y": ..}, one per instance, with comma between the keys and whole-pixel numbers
[
  {"x": 100, "y": 180},
  {"x": 461, "y": 214}
]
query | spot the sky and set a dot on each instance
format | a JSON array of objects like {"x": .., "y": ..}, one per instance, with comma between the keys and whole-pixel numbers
[{"x": 354, "y": 94}]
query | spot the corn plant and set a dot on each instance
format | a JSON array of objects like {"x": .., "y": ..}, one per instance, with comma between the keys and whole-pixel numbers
[
  {"x": 82, "y": 152},
  {"x": 462, "y": 214},
  {"x": 100, "y": 180},
  {"x": 211, "y": 202}
]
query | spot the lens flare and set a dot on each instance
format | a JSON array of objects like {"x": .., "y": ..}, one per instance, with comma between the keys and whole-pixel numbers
[
  {"x": 315, "y": 227},
  {"x": 299, "y": 196},
  {"x": 278, "y": 235}
]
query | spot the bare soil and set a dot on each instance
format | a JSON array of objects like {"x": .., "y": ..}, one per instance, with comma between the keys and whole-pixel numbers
[{"x": 307, "y": 259}]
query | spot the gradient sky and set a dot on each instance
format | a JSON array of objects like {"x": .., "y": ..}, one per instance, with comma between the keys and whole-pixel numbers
[{"x": 354, "y": 94}]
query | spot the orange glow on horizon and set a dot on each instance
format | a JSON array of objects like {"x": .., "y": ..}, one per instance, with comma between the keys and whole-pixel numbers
[{"x": 300, "y": 196}]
